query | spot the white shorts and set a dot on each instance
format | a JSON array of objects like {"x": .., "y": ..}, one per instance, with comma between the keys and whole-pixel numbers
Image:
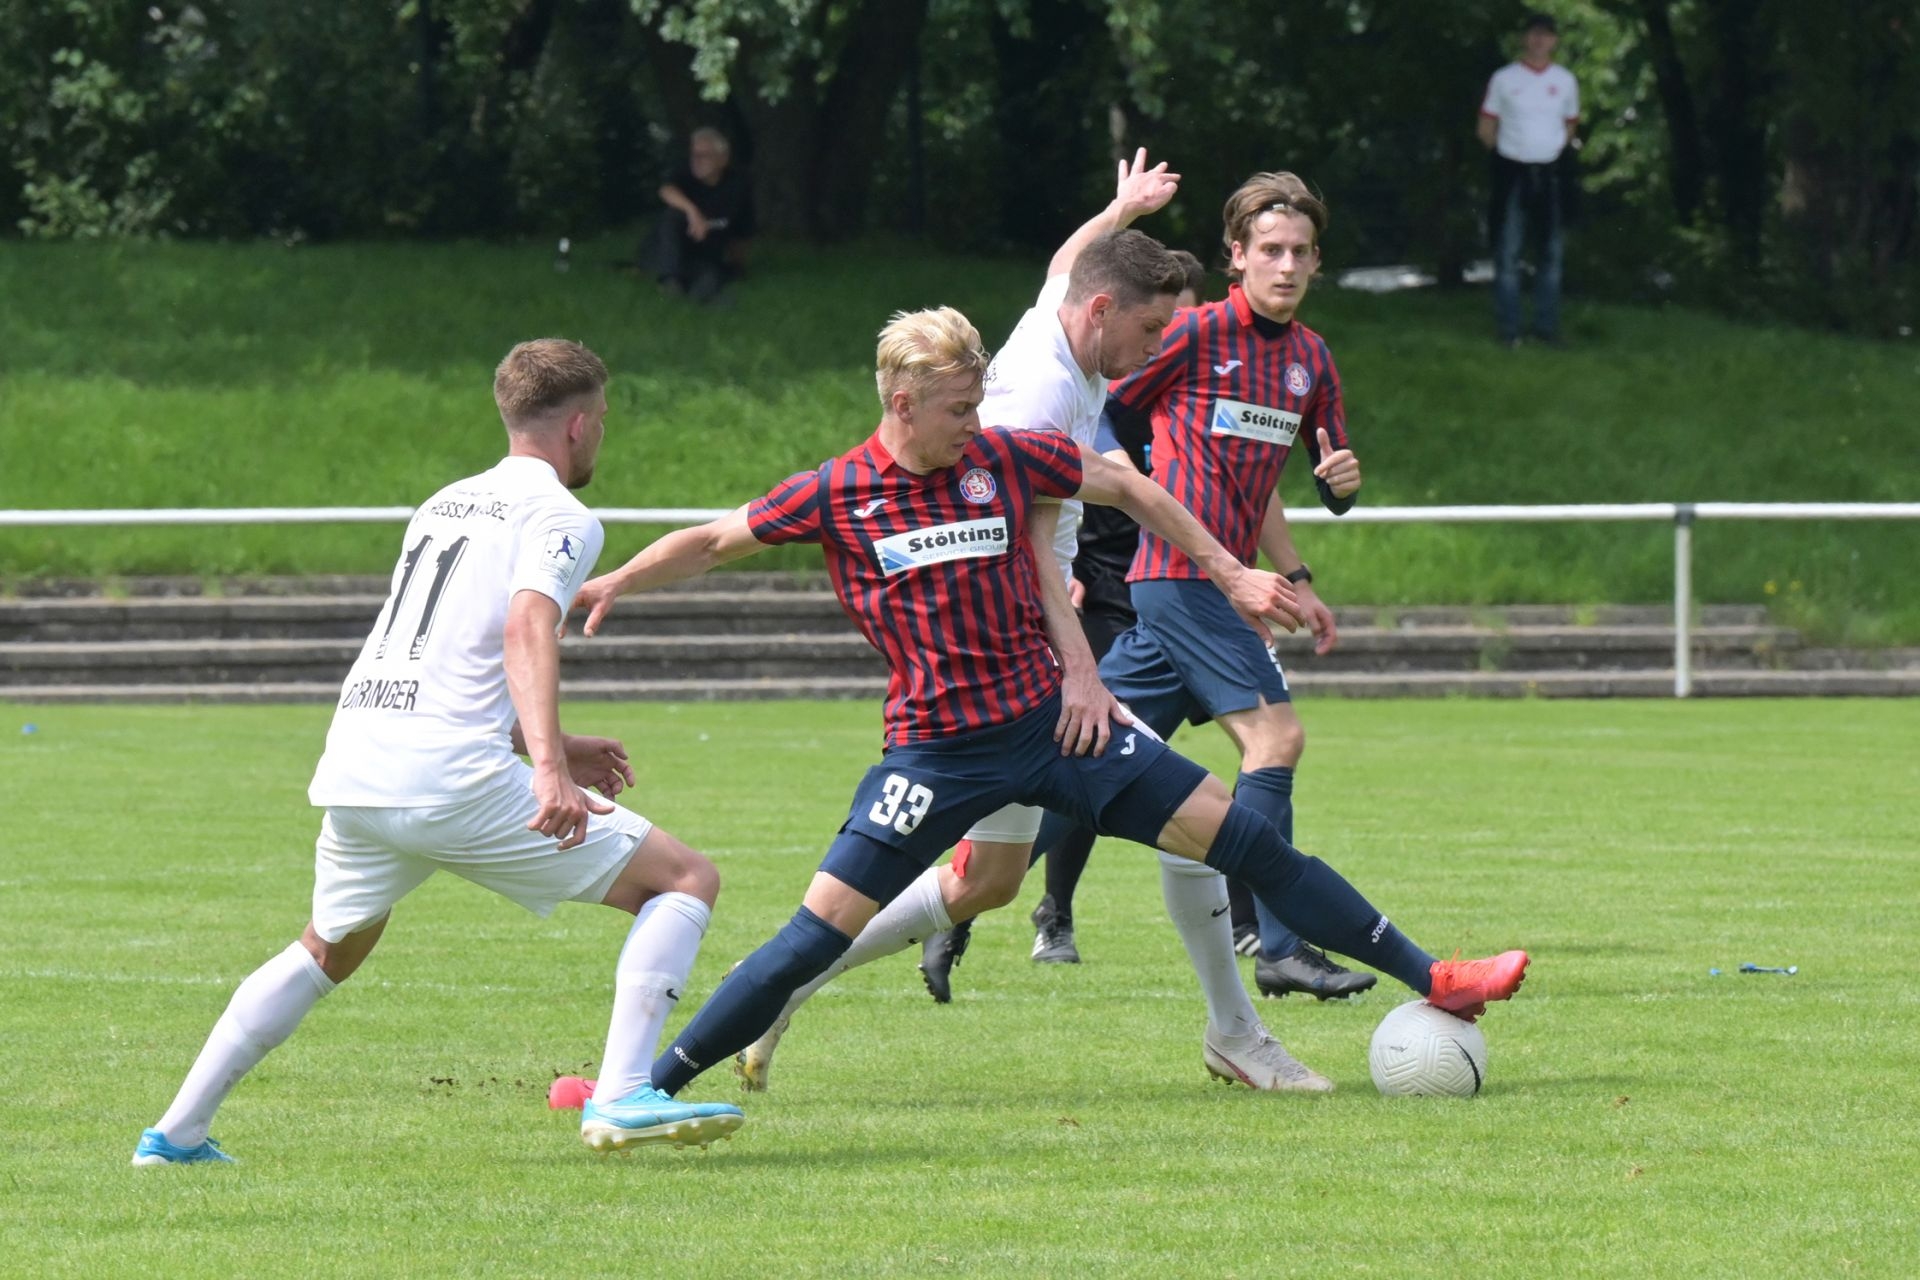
[
  {"x": 367, "y": 859},
  {"x": 1015, "y": 824}
]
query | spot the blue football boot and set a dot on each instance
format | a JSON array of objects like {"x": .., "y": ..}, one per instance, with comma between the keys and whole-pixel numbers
[
  {"x": 155, "y": 1149},
  {"x": 648, "y": 1116}
]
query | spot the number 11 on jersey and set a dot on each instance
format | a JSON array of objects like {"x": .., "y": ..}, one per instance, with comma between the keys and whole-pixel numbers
[{"x": 443, "y": 567}]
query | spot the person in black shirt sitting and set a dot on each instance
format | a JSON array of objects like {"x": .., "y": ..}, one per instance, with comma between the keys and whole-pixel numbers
[{"x": 700, "y": 241}]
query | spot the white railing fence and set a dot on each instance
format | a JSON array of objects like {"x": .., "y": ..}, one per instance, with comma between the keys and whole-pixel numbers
[{"x": 1681, "y": 515}]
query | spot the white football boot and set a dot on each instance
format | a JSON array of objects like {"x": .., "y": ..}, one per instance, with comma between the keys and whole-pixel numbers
[{"x": 1260, "y": 1062}]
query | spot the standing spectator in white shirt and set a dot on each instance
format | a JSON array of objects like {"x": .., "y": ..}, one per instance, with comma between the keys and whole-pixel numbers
[{"x": 1531, "y": 111}]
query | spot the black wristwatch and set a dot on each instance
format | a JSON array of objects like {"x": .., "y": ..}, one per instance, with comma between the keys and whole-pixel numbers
[{"x": 1300, "y": 575}]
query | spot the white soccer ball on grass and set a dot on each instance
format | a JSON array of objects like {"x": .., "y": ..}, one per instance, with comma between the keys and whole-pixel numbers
[{"x": 1418, "y": 1049}]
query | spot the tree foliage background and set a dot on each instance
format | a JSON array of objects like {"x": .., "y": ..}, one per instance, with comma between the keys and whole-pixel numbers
[{"x": 1763, "y": 155}]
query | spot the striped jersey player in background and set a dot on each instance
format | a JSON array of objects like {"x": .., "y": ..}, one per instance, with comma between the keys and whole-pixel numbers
[{"x": 1236, "y": 387}]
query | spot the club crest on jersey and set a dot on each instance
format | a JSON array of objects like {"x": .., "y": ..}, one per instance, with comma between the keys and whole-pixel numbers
[
  {"x": 1299, "y": 381},
  {"x": 977, "y": 485},
  {"x": 939, "y": 543},
  {"x": 1254, "y": 422}
]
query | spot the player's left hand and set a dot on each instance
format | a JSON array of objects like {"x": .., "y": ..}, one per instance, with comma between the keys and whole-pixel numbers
[
  {"x": 1087, "y": 712},
  {"x": 1264, "y": 598},
  {"x": 600, "y": 763},
  {"x": 1338, "y": 467},
  {"x": 1319, "y": 619},
  {"x": 1141, "y": 190}
]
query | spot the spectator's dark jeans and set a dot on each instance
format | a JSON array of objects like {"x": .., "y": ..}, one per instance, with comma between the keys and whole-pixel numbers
[
  {"x": 698, "y": 266},
  {"x": 1527, "y": 206}
]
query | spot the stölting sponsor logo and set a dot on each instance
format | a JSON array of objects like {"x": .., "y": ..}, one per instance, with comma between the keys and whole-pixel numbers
[{"x": 937, "y": 544}]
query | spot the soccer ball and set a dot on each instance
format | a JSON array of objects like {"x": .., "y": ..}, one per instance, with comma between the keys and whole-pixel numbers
[{"x": 1418, "y": 1049}]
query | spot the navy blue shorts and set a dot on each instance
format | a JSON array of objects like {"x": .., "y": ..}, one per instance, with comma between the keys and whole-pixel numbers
[
  {"x": 920, "y": 799},
  {"x": 1190, "y": 657}
]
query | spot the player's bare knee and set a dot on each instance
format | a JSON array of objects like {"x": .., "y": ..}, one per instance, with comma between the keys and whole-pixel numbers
[
  {"x": 699, "y": 878},
  {"x": 340, "y": 960},
  {"x": 993, "y": 877},
  {"x": 995, "y": 891},
  {"x": 1273, "y": 739}
]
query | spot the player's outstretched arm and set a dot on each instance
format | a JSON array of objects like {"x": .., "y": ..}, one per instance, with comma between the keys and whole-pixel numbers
[
  {"x": 1276, "y": 540},
  {"x": 1138, "y": 192},
  {"x": 682, "y": 554},
  {"x": 532, "y": 643},
  {"x": 1258, "y": 596}
]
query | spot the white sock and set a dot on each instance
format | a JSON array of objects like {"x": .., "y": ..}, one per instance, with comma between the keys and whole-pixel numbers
[
  {"x": 1196, "y": 897},
  {"x": 264, "y": 1011},
  {"x": 909, "y": 918},
  {"x": 654, "y": 964}
]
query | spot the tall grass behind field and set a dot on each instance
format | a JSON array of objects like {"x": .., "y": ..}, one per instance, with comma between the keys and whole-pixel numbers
[{"x": 223, "y": 375}]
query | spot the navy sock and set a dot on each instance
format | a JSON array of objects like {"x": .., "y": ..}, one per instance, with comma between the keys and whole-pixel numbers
[
  {"x": 747, "y": 1002},
  {"x": 1240, "y": 906},
  {"x": 1313, "y": 899},
  {"x": 1066, "y": 862},
  {"x": 1269, "y": 793},
  {"x": 1054, "y": 827}
]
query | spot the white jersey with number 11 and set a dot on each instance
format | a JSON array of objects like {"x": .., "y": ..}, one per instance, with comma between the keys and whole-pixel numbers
[{"x": 424, "y": 717}]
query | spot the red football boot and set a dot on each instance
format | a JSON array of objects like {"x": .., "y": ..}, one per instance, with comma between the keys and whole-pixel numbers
[{"x": 1463, "y": 987}]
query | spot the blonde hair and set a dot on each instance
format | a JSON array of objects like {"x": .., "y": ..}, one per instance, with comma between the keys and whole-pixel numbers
[
  {"x": 540, "y": 376},
  {"x": 917, "y": 347},
  {"x": 1279, "y": 192}
]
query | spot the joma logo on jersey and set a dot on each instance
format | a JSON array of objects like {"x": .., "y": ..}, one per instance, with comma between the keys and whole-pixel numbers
[
  {"x": 937, "y": 544},
  {"x": 1254, "y": 422}
]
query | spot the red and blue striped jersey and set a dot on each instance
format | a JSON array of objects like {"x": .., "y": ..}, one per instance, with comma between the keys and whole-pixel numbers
[
  {"x": 1228, "y": 404},
  {"x": 936, "y": 572}
]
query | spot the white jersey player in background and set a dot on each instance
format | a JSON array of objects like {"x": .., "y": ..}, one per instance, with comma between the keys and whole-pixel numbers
[
  {"x": 1108, "y": 298},
  {"x": 460, "y": 672}
]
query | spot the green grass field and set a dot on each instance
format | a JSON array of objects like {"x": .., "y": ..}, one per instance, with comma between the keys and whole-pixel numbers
[
  {"x": 1641, "y": 1117},
  {"x": 250, "y": 375}
]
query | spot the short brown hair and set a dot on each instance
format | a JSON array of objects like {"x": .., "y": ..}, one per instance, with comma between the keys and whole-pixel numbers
[
  {"x": 1269, "y": 193},
  {"x": 919, "y": 346},
  {"x": 1130, "y": 265},
  {"x": 1196, "y": 271},
  {"x": 540, "y": 376}
]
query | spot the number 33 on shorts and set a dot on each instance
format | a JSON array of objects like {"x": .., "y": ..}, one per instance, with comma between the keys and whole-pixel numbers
[{"x": 902, "y": 804}]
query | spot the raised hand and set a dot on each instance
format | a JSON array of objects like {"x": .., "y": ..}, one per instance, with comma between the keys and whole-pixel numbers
[
  {"x": 1141, "y": 190},
  {"x": 1338, "y": 467}
]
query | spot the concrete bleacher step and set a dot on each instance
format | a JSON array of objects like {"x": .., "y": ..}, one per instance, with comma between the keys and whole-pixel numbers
[
  {"x": 281, "y": 661},
  {"x": 764, "y": 635},
  {"x": 822, "y": 654},
  {"x": 1541, "y": 684}
]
